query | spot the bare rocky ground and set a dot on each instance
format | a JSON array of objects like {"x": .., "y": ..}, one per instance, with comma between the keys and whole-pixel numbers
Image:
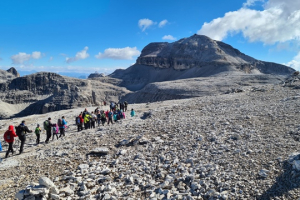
[{"x": 230, "y": 146}]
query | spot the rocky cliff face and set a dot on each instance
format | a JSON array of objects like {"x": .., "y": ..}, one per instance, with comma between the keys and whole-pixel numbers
[
  {"x": 8, "y": 75},
  {"x": 196, "y": 56},
  {"x": 45, "y": 92}
]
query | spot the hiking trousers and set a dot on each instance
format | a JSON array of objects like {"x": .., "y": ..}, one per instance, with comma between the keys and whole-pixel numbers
[
  {"x": 10, "y": 148},
  {"x": 79, "y": 127},
  {"x": 92, "y": 124},
  {"x": 110, "y": 120},
  {"x": 62, "y": 132},
  {"x": 23, "y": 139},
  {"x": 38, "y": 138},
  {"x": 48, "y": 135}
]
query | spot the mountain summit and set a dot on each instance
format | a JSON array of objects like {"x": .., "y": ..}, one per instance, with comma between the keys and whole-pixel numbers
[{"x": 195, "y": 56}]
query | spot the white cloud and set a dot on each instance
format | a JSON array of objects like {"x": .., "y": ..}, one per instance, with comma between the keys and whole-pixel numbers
[
  {"x": 278, "y": 22},
  {"x": 36, "y": 55},
  {"x": 79, "y": 55},
  {"x": 295, "y": 63},
  {"x": 250, "y": 3},
  {"x": 119, "y": 53},
  {"x": 162, "y": 23},
  {"x": 168, "y": 37},
  {"x": 20, "y": 58},
  {"x": 51, "y": 58},
  {"x": 145, "y": 23}
]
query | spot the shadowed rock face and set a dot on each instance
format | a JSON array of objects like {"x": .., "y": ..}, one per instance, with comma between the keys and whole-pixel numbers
[
  {"x": 13, "y": 71},
  {"x": 196, "y": 56},
  {"x": 45, "y": 92}
]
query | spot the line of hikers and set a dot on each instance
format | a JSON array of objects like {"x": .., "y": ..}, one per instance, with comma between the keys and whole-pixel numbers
[
  {"x": 21, "y": 131},
  {"x": 85, "y": 118},
  {"x": 88, "y": 120}
]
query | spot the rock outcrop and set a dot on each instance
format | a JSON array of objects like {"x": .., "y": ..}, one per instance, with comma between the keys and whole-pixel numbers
[
  {"x": 196, "y": 56},
  {"x": 13, "y": 71},
  {"x": 96, "y": 75}
]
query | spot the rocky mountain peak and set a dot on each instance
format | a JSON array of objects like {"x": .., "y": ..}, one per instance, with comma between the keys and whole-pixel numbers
[
  {"x": 13, "y": 71},
  {"x": 197, "y": 50}
]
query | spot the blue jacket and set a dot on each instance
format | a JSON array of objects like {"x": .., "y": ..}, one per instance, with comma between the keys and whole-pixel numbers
[{"x": 63, "y": 122}]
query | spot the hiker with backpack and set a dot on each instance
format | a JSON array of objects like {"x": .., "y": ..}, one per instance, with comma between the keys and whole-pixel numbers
[
  {"x": 48, "y": 126},
  {"x": 110, "y": 117},
  {"x": 37, "y": 132},
  {"x": 132, "y": 113},
  {"x": 62, "y": 126},
  {"x": 125, "y": 106},
  {"x": 103, "y": 118},
  {"x": 79, "y": 122},
  {"x": 93, "y": 120},
  {"x": 87, "y": 121},
  {"x": 9, "y": 136},
  {"x": 54, "y": 131},
  {"x": 22, "y": 130}
]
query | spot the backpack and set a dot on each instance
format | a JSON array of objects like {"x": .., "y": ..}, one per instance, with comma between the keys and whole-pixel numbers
[
  {"x": 59, "y": 123},
  {"x": 46, "y": 125},
  {"x": 54, "y": 129},
  {"x": 7, "y": 136},
  {"x": 121, "y": 115},
  {"x": 77, "y": 120},
  {"x": 92, "y": 119},
  {"x": 103, "y": 116},
  {"x": 19, "y": 130}
]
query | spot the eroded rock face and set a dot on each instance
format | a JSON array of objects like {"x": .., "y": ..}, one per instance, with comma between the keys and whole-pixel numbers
[{"x": 45, "y": 92}]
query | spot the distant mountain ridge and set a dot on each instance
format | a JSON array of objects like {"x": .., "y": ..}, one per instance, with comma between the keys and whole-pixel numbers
[{"x": 195, "y": 56}]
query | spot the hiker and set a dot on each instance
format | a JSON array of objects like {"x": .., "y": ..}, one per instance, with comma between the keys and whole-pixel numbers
[
  {"x": 121, "y": 106},
  {"x": 98, "y": 117},
  {"x": 132, "y": 113},
  {"x": 87, "y": 121},
  {"x": 55, "y": 131},
  {"x": 93, "y": 120},
  {"x": 125, "y": 106},
  {"x": 110, "y": 117},
  {"x": 62, "y": 126},
  {"x": 122, "y": 115},
  {"x": 84, "y": 112},
  {"x": 9, "y": 136},
  {"x": 22, "y": 130},
  {"x": 79, "y": 122},
  {"x": 47, "y": 127},
  {"x": 103, "y": 118},
  {"x": 112, "y": 106},
  {"x": 38, "y": 133}
]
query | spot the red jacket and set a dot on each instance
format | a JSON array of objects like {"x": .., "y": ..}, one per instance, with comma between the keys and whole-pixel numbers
[
  {"x": 81, "y": 119},
  {"x": 12, "y": 132}
]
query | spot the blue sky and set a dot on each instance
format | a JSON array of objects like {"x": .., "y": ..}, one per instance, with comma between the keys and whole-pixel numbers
[{"x": 77, "y": 38}]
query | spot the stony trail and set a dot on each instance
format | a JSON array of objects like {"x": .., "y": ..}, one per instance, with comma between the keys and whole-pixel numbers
[{"x": 231, "y": 146}]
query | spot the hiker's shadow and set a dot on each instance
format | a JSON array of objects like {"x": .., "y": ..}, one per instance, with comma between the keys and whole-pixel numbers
[{"x": 288, "y": 180}]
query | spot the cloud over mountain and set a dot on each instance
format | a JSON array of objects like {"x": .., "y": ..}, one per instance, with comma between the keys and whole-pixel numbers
[
  {"x": 21, "y": 57},
  {"x": 126, "y": 53},
  {"x": 79, "y": 55},
  {"x": 279, "y": 21}
]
